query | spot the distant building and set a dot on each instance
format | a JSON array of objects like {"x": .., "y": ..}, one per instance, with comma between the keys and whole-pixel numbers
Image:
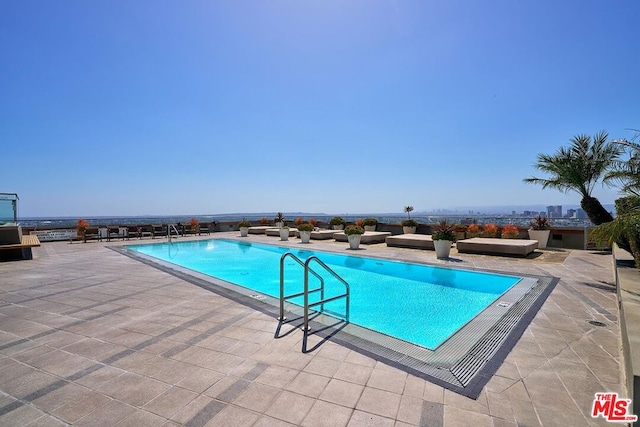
[
  {"x": 554, "y": 211},
  {"x": 571, "y": 213},
  {"x": 581, "y": 214}
]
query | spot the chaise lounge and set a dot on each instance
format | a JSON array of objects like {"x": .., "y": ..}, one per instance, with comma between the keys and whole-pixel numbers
[
  {"x": 492, "y": 246},
  {"x": 413, "y": 241}
]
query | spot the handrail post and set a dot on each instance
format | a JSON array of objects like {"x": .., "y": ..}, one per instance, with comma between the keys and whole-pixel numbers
[
  {"x": 306, "y": 298},
  {"x": 281, "y": 317}
]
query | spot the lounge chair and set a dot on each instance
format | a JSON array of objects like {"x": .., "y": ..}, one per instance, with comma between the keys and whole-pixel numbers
[
  {"x": 158, "y": 230},
  {"x": 204, "y": 228},
  {"x": 492, "y": 246}
]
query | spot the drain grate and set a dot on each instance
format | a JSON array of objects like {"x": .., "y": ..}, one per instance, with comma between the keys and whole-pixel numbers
[{"x": 596, "y": 323}]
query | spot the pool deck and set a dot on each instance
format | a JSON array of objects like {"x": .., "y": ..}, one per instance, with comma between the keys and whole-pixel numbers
[{"x": 89, "y": 336}]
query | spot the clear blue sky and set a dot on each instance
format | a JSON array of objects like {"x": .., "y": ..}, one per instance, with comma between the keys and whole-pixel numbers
[{"x": 204, "y": 107}]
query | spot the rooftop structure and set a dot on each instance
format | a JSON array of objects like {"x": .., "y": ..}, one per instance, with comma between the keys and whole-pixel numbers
[{"x": 91, "y": 335}]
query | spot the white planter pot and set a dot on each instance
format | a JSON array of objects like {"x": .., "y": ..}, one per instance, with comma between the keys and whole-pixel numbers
[
  {"x": 542, "y": 236},
  {"x": 284, "y": 234},
  {"x": 338, "y": 227},
  {"x": 354, "y": 240},
  {"x": 244, "y": 231},
  {"x": 305, "y": 236},
  {"x": 408, "y": 230},
  {"x": 443, "y": 248},
  {"x": 279, "y": 224},
  {"x": 369, "y": 228}
]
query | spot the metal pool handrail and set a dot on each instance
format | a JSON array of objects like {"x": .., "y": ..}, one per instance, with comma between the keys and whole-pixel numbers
[
  {"x": 284, "y": 297},
  {"x": 322, "y": 300}
]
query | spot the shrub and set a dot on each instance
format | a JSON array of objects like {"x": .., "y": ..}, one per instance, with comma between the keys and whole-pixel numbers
[
  {"x": 194, "y": 222},
  {"x": 540, "y": 223},
  {"x": 298, "y": 221},
  {"x": 244, "y": 223},
  {"x": 353, "y": 229},
  {"x": 369, "y": 221},
  {"x": 82, "y": 225},
  {"x": 305, "y": 226},
  {"x": 444, "y": 231},
  {"x": 490, "y": 230},
  {"x": 409, "y": 223},
  {"x": 510, "y": 232},
  {"x": 337, "y": 220},
  {"x": 359, "y": 221},
  {"x": 264, "y": 221},
  {"x": 473, "y": 229},
  {"x": 313, "y": 222}
]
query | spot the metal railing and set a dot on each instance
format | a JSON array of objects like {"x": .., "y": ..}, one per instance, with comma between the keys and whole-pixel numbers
[
  {"x": 172, "y": 227},
  {"x": 306, "y": 291},
  {"x": 284, "y": 297}
]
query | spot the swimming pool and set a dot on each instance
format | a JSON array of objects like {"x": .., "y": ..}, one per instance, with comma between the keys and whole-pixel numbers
[{"x": 420, "y": 304}]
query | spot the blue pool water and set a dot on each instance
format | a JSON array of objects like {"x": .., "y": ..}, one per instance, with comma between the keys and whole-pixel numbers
[{"x": 420, "y": 304}]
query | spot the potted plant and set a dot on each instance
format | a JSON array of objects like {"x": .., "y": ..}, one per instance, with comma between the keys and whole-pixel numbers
[
  {"x": 540, "y": 230},
  {"x": 284, "y": 232},
  {"x": 298, "y": 221},
  {"x": 443, "y": 236},
  {"x": 244, "y": 227},
  {"x": 490, "y": 230},
  {"x": 305, "y": 230},
  {"x": 279, "y": 220},
  {"x": 354, "y": 234},
  {"x": 510, "y": 232},
  {"x": 408, "y": 225},
  {"x": 337, "y": 223},
  {"x": 369, "y": 224},
  {"x": 473, "y": 230}
]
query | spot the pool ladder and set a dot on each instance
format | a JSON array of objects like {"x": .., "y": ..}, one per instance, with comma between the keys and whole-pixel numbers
[
  {"x": 175, "y": 230},
  {"x": 305, "y": 293}
]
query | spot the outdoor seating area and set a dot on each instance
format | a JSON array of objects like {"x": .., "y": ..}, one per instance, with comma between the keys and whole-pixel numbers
[
  {"x": 152, "y": 231},
  {"x": 164, "y": 363}
]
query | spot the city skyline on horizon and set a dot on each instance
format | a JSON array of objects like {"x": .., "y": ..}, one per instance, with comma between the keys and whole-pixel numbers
[{"x": 507, "y": 210}]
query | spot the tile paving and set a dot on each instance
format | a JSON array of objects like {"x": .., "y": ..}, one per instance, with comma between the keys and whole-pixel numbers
[{"x": 91, "y": 337}]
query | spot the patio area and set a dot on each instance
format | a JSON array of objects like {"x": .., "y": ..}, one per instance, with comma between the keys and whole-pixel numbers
[{"x": 91, "y": 337}]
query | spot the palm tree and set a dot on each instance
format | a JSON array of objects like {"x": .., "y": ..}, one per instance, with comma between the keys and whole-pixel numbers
[
  {"x": 578, "y": 168},
  {"x": 626, "y": 173},
  {"x": 408, "y": 210}
]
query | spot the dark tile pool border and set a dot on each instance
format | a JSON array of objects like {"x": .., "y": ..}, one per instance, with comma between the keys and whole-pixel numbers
[{"x": 466, "y": 377}]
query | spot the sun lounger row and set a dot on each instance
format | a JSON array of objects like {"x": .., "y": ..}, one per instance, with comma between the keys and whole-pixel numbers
[
  {"x": 475, "y": 245},
  {"x": 141, "y": 231}
]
